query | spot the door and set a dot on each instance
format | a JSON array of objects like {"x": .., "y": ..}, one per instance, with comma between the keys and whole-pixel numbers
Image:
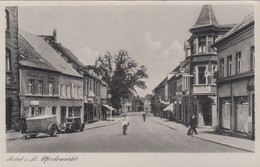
[
  {"x": 242, "y": 110},
  {"x": 8, "y": 112},
  {"x": 225, "y": 113},
  {"x": 63, "y": 114}
]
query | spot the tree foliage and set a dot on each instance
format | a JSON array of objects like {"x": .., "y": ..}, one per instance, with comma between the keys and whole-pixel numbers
[{"x": 122, "y": 74}]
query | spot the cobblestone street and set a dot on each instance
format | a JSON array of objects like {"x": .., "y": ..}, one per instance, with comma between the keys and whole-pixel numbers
[{"x": 149, "y": 136}]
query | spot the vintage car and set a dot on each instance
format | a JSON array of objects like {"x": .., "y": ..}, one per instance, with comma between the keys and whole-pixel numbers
[
  {"x": 41, "y": 124},
  {"x": 72, "y": 124}
]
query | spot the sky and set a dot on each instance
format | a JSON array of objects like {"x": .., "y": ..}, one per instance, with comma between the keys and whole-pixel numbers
[{"x": 153, "y": 35}]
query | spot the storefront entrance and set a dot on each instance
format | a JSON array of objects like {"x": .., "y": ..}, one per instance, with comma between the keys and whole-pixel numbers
[
  {"x": 206, "y": 109},
  {"x": 242, "y": 108}
]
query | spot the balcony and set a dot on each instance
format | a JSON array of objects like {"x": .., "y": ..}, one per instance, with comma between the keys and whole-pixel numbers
[{"x": 204, "y": 89}]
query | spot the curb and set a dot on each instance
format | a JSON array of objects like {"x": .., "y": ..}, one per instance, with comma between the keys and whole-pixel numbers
[
  {"x": 102, "y": 125},
  {"x": 86, "y": 128},
  {"x": 202, "y": 138},
  {"x": 164, "y": 124},
  {"x": 213, "y": 141}
]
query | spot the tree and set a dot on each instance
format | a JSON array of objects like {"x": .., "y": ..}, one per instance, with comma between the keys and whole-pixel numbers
[{"x": 122, "y": 75}]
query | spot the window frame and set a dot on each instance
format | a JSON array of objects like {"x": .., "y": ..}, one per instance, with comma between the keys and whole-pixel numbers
[
  {"x": 31, "y": 86},
  {"x": 40, "y": 87},
  {"x": 229, "y": 65},
  {"x": 238, "y": 63},
  {"x": 252, "y": 58},
  {"x": 202, "y": 44},
  {"x": 51, "y": 87}
]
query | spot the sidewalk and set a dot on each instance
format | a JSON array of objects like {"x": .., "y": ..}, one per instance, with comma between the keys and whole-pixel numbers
[
  {"x": 207, "y": 133},
  {"x": 12, "y": 135}
]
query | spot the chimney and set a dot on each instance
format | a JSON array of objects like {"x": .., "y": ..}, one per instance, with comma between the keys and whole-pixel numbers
[{"x": 55, "y": 35}]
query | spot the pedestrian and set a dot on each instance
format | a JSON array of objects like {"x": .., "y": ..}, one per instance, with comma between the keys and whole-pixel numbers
[
  {"x": 144, "y": 115},
  {"x": 161, "y": 115},
  {"x": 125, "y": 123},
  {"x": 192, "y": 125}
]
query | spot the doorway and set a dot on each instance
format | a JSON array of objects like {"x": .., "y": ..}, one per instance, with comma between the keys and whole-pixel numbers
[
  {"x": 8, "y": 112},
  {"x": 62, "y": 114}
]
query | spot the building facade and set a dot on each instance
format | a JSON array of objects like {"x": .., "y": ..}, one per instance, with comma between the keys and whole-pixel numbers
[
  {"x": 196, "y": 71},
  {"x": 49, "y": 85},
  {"x": 236, "y": 69},
  {"x": 12, "y": 110}
]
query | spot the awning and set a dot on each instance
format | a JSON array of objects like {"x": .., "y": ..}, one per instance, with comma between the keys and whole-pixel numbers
[
  {"x": 169, "y": 108},
  {"x": 108, "y": 107}
]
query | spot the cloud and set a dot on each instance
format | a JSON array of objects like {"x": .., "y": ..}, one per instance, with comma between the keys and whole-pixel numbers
[
  {"x": 86, "y": 55},
  {"x": 153, "y": 45}
]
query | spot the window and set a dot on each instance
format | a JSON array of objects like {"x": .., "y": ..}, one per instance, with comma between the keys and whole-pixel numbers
[
  {"x": 68, "y": 91},
  {"x": 8, "y": 80},
  {"x": 252, "y": 58},
  {"x": 40, "y": 87},
  {"x": 210, "y": 42},
  {"x": 70, "y": 114},
  {"x": 202, "y": 44},
  {"x": 63, "y": 90},
  {"x": 90, "y": 84},
  {"x": 221, "y": 68},
  {"x": 195, "y": 46},
  {"x": 7, "y": 20},
  {"x": 54, "y": 109},
  {"x": 202, "y": 78},
  {"x": 76, "y": 92},
  {"x": 30, "y": 86},
  {"x": 229, "y": 65},
  {"x": 8, "y": 60},
  {"x": 41, "y": 111},
  {"x": 51, "y": 90},
  {"x": 238, "y": 62}
]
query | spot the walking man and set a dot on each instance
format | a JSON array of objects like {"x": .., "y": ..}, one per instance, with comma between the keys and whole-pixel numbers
[
  {"x": 125, "y": 123},
  {"x": 192, "y": 125}
]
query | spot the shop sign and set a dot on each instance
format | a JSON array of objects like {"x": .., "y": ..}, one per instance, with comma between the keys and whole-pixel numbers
[
  {"x": 202, "y": 89},
  {"x": 34, "y": 103}
]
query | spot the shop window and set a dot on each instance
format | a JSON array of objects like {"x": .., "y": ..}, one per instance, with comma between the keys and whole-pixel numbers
[
  {"x": 229, "y": 65},
  {"x": 30, "y": 86},
  {"x": 51, "y": 90},
  {"x": 40, "y": 87},
  {"x": 252, "y": 58},
  {"x": 54, "y": 110},
  {"x": 222, "y": 68},
  {"x": 202, "y": 44},
  {"x": 202, "y": 78},
  {"x": 70, "y": 114},
  {"x": 8, "y": 60},
  {"x": 41, "y": 111},
  {"x": 238, "y": 63},
  {"x": 7, "y": 20},
  {"x": 33, "y": 111},
  {"x": 77, "y": 112}
]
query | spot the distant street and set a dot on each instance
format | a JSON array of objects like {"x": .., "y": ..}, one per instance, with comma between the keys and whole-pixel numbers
[{"x": 148, "y": 136}]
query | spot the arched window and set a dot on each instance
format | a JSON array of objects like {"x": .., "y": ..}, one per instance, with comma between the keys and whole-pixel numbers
[
  {"x": 8, "y": 60},
  {"x": 7, "y": 20}
]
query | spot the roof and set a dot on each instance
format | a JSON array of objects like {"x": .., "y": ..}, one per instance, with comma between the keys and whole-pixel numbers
[
  {"x": 161, "y": 83},
  {"x": 48, "y": 53},
  {"x": 246, "y": 21},
  {"x": 206, "y": 17},
  {"x": 66, "y": 52},
  {"x": 31, "y": 58}
]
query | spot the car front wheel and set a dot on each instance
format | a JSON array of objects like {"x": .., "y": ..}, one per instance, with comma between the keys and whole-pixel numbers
[{"x": 53, "y": 131}]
